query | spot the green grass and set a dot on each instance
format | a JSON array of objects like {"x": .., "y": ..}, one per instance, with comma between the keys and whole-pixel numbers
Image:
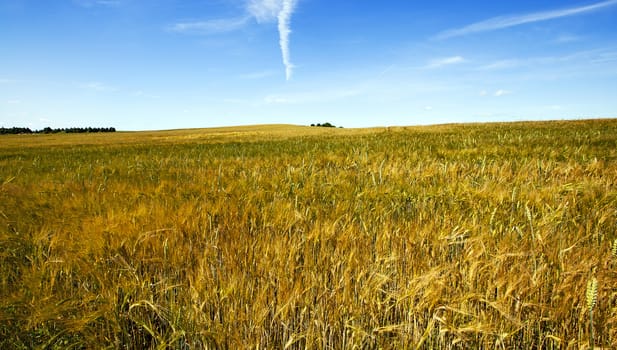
[{"x": 451, "y": 236}]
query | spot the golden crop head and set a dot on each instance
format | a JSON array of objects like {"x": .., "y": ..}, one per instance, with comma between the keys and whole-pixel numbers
[{"x": 592, "y": 293}]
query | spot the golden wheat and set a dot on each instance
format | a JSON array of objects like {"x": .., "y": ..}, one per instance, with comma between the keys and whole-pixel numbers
[{"x": 442, "y": 237}]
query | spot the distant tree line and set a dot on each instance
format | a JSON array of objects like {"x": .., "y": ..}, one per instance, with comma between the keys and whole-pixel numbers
[
  {"x": 15, "y": 130},
  {"x": 324, "y": 125},
  {"x": 48, "y": 130}
]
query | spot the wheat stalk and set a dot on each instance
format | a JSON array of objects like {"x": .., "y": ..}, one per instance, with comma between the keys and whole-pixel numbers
[
  {"x": 592, "y": 298},
  {"x": 592, "y": 293}
]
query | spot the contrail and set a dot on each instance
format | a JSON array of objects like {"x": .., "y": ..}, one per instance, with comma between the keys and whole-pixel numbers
[
  {"x": 284, "y": 18},
  {"x": 511, "y": 21},
  {"x": 280, "y": 10},
  {"x": 264, "y": 11}
]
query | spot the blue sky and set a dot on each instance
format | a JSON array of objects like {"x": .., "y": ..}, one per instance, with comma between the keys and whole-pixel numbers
[{"x": 164, "y": 64}]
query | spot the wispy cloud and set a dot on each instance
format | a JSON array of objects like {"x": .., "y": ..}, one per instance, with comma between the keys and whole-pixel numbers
[
  {"x": 207, "y": 27},
  {"x": 575, "y": 58},
  {"x": 501, "y": 64},
  {"x": 263, "y": 11},
  {"x": 446, "y": 61},
  {"x": 515, "y": 20},
  {"x": 284, "y": 19},
  {"x": 501, "y": 92},
  {"x": 567, "y": 38},
  {"x": 311, "y": 97},
  {"x": 91, "y": 3},
  {"x": 256, "y": 75},
  {"x": 496, "y": 93},
  {"x": 96, "y": 86},
  {"x": 281, "y": 10},
  {"x": 603, "y": 57}
]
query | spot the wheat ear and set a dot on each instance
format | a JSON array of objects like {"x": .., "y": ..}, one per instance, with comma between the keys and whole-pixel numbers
[{"x": 592, "y": 298}]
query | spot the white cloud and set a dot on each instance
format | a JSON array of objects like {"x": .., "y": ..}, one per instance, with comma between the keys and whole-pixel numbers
[
  {"x": 281, "y": 10},
  {"x": 210, "y": 26},
  {"x": 501, "y": 22},
  {"x": 256, "y": 75},
  {"x": 284, "y": 19},
  {"x": 428, "y": 108},
  {"x": 13, "y": 102},
  {"x": 96, "y": 86},
  {"x": 501, "y": 92},
  {"x": 496, "y": 93},
  {"x": 440, "y": 62},
  {"x": 574, "y": 58},
  {"x": 263, "y": 11},
  {"x": 501, "y": 64}
]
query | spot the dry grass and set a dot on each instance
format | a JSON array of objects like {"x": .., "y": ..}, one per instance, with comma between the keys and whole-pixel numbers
[{"x": 445, "y": 237}]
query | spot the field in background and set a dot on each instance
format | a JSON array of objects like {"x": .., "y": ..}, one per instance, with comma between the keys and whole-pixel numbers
[
  {"x": 440, "y": 237},
  {"x": 252, "y": 133}
]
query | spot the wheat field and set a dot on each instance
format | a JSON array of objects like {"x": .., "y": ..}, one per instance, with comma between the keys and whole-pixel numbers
[{"x": 486, "y": 236}]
